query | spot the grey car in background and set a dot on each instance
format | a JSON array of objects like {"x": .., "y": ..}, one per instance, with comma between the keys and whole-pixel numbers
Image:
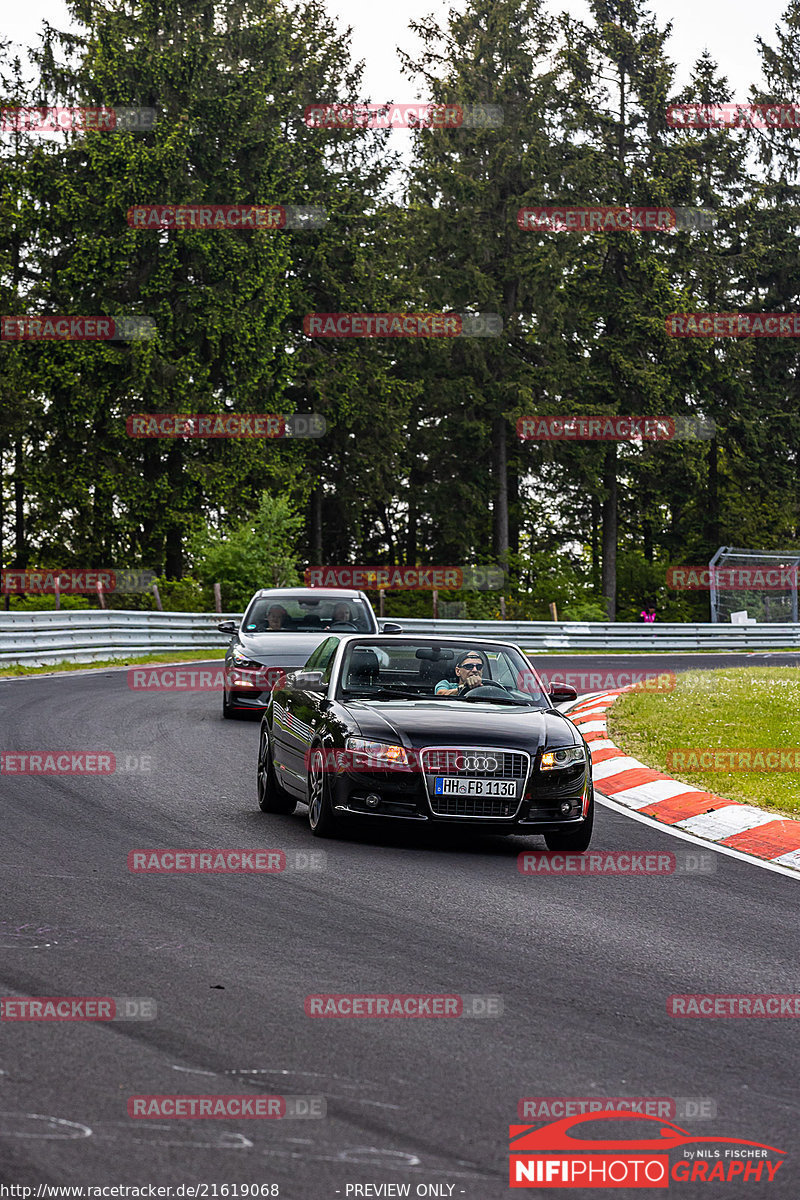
[{"x": 278, "y": 633}]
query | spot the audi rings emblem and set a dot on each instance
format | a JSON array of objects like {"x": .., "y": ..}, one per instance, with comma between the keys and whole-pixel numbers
[{"x": 475, "y": 762}]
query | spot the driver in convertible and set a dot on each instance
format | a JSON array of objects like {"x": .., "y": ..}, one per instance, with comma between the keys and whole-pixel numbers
[{"x": 469, "y": 669}]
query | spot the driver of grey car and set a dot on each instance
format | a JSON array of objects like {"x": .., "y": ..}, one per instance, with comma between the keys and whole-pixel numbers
[
  {"x": 469, "y": 674},
  {"x": 341, "y": 613},
  {"x": 275, "y": 618}
]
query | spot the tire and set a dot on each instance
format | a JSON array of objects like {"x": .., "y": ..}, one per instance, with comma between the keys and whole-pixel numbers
[
  {"x": 575, "y": 840},
  {"x": 321, "y": 816},
  {"x": 271, "y": 796}
]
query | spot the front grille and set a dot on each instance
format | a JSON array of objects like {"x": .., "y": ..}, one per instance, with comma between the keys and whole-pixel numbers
[
  {"x": 463, "y": 806},
  {"x": 449, "y": 761},
  {"x": 482, "y": 762}
]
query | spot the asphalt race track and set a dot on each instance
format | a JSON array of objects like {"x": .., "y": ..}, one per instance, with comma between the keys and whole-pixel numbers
[{"x": 584, "y": 966}]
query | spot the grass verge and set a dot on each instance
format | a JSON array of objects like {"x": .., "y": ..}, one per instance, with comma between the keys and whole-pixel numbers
[
  {"x": 128, "y": 661},
  {"x": 734, "y": 709}
]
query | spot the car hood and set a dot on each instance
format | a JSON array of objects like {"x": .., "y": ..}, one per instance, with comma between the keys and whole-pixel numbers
[
  {"x": 442, "y": 723},
  {"x": 281, "y": 649}
]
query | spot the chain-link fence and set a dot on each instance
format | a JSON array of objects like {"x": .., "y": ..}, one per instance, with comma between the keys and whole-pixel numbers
[{"x": 760, "y": 583}]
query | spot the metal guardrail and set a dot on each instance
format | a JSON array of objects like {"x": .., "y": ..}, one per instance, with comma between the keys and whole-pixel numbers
[
  {"x": 44, "y": 638},
  {"x": 594, "y": 635}
]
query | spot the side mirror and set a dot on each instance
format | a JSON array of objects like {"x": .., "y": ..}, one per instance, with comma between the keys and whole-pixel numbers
[
  {"x": 227, "y": 627},
  {"x": 391, "y": 627},
  {"x": 311, "y": 680},
  {"x": 559, "y": 693}
]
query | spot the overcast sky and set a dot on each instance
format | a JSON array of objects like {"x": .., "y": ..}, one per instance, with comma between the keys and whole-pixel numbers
[{"x": 727, "y": 28}]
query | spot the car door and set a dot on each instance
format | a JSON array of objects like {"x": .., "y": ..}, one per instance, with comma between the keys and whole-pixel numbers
[{"x": 300, "y": 718}]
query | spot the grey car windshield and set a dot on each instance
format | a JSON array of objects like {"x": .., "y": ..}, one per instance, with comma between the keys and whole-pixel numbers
[
  {"x": 290, "y": 614},
  {"x": 416, "y": 669}
]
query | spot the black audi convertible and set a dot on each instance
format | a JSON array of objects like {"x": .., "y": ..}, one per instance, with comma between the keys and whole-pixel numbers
[{"x": 426, "y": 729}]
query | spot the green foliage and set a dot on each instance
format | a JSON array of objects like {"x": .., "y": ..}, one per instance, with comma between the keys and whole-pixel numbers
[
  {"x": 420, "y": 462},
  {"x": 259, "y": 552}
]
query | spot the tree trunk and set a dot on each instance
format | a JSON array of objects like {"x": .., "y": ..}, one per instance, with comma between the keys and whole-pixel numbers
[
  {"x": 595, "y": 545},
  {"x": 610, "y": 531},
  {"x": 20, "y": 547},
  {"x": 316, "y": 526},
  {"x": 500, "y": 473},
  {"x": 174, "y": 540},
  {"x": 713, "y": 495},
  {"x": 514, "y": 514}
]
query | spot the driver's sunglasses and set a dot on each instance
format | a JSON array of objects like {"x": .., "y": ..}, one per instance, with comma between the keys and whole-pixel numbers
[{"x": 472, "y": 666}]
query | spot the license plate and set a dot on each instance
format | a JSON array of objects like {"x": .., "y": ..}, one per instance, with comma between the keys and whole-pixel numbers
[{"x": 447, "y": 785}]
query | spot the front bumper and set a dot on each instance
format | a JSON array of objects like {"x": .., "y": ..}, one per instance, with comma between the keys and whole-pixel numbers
[{"x": 545, "y": 801}]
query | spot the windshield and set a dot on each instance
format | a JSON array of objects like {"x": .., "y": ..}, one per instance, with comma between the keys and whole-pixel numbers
[
  {"x": 414, "y": 669},
  {"x": 291, "y": 613}
]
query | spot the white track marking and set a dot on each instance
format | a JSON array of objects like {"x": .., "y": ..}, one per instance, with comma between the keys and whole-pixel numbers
[
  {"x": 726, "y": 821},
  {"x": 81, "y": 1131}
]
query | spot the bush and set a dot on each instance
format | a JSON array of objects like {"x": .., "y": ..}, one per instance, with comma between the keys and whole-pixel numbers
[{"x": 260, "y": 552}]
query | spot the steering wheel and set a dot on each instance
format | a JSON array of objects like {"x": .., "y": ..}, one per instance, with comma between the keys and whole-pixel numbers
[
  {"x": 483, "y": 689},
  {"x": 344, "y": 625}
]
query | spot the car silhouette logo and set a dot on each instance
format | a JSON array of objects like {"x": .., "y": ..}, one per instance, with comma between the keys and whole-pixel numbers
[
  {"x": 553, "y": 1156},
  {"x": 557, "y": 1136},
  {"x": 475, "y": 762}
]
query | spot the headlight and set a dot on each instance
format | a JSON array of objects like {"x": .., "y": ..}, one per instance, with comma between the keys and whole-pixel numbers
[
  {"x": 241, "y": 660},
  {"x": 566, "y": 757},
  {"x": 366, "y": 755}
]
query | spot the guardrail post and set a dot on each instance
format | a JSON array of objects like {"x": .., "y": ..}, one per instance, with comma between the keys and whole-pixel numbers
[
  {"x": 157, "y": 595},
  {"x": 217, "y": 597}
]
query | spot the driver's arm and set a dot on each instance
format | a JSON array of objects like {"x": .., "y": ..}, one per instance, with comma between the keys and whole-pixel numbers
[{"x": 445, "y": 688}]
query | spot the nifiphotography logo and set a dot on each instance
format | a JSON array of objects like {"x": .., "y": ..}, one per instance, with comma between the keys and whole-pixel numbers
[{"x": 621, "y": 1149}]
